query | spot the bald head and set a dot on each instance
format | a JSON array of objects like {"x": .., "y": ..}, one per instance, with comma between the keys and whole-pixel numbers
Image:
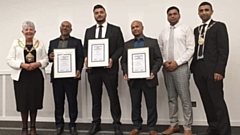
[
  {"x": 65, "y": 28},
  {"x": 137, "y": 29}
]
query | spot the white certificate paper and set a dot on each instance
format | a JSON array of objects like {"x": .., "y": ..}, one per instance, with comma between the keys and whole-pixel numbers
[
  {"x": 64, "y": 63},
  {"x": 138, "y": 63},
  {"x": 98, "y": 53}
]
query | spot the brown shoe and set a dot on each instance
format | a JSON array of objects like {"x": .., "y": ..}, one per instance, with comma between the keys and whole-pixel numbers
[
  {"x": 152, "y": 132},
  {"x": 171, "y": 129},
  {"x": 187, "y": 132},
  {"x": 135, "y": 132}
]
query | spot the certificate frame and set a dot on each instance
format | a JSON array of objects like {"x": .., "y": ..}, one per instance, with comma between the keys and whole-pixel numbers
[
  {"x": 98, "y": 52},
  {"x": 64, "y": 63},
  {"x": 138, "y": 63}
]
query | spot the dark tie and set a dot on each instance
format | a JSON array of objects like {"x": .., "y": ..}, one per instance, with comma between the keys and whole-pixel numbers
[
  {"x": 100, "y": 31},
  {"x": 200, "y": 52}
]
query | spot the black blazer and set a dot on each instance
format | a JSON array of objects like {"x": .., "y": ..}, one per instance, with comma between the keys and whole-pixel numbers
[
  {"x": 156, "y": 60},
  {"x": 116, "y": 43},
  {"x": 72, "y": 43},
  {"x": 216, "y": 49}
]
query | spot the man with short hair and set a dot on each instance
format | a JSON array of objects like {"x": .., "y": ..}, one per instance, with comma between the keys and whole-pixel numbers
[
  {"x": 147, "y": 86},
  {"x": 208, "y": 68},
  {"x": 107, "y": 75},
  {"x": 177, "y": 46},
  {"x": 68, "y": 86}
]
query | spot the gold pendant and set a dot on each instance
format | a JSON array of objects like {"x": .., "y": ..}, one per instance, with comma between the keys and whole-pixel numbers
[
  {"x": 29, "y": 57},
  {"x": 201, "y": 41}
]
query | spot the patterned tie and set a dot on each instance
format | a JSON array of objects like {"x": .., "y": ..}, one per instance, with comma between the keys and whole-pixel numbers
[
  {"x": 100, "y": 31},
  {"x": 200, "y": 51},
  {"x": 171, "y": 44}
]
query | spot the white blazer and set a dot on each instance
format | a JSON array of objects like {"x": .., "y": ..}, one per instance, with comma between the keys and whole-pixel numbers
[{"x": 16, "y": 57}]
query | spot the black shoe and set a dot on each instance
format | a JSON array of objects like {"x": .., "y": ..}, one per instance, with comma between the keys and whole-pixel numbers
[
  {"x": 59, "y": 130},
  {"x": 118, "y": 130},
  {"x": 94, "y": 129},
  {"x": 73, "y": 131}
]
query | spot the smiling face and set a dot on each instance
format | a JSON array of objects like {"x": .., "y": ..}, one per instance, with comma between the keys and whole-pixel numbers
[
  {"x": 137, "y": 29},
  {"x": 28, "y": 32},
  {"x": 65, "y": 28},
  {"x": 205, "y": 12},
  {"x": 173, "y": 16},
  {"x": 100, "y": 15}
]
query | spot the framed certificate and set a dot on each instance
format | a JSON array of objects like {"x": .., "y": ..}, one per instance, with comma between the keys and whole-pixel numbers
[
  {"x": 138, "y": 63},
  {"x": 64, "y": 63},
  {"x": 98, "y": 53}
]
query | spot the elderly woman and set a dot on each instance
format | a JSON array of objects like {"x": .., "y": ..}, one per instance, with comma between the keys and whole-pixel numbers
[{"x": 28, "y": 58}]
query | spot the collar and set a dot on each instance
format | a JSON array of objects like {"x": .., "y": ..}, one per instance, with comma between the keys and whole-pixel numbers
[
  {"x": 104, "y": 25},
  {"x": 208, "y": 22},
  {"x": 176, "y": 25},
  {"x": 141, "y": 39},
  {"x": 64, "y": 39}
]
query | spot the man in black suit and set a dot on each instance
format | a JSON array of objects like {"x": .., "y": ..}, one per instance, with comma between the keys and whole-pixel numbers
[
  {"x": 208, "y": 68},
  {"x": 107, "y": 75},
  {"x": 66, "y": 85},
  {"x": 143, "y": 85}
]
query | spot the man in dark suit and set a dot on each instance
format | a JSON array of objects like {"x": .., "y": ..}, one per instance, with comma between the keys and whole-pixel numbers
[
  {"x": 146, "y": 85},
  {"x": 66, "y": 85},
  {"x": 107, "y": 75},
  {"x": 208, "y": 68}
]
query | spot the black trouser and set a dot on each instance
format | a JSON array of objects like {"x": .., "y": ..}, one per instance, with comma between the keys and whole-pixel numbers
[
  {"x": 212, "y": 96},
  {"x": 150, "y": 93},
  {"x": 70, "y": 87},
  {"x": 96, "y": 78}
]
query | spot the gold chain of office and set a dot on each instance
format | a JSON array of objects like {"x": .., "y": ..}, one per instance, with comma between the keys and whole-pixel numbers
[
  {"x": 201, "y": 40},
  {"x": 29, "y": 57}
]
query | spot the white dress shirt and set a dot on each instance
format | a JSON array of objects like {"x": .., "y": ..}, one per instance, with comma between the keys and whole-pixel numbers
[
  {"x": 183, "y": 43},
  {"x": 104, "y": 29}
]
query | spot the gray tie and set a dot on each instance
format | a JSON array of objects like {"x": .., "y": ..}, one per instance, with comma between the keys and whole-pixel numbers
[{"x": 171, "y": 44}]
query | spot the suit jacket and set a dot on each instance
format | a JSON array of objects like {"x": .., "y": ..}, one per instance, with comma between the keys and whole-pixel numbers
[
  {"x": 72, "y": 43},
  {"x": 216, "y": 49},
  {"x": 156, "y": 59},
  {"x": 116, "y": 43},
  {"x": 16, "y": 57}
]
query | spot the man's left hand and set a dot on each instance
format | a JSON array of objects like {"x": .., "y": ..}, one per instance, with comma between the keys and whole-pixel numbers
[
  {"x": 151, "y": 77},
  {"x": 110, "y": 63},
  {"x": 172, "y": 66},
  {"x": 78, "y": 74},
  {"x": 217, "y": 77}
]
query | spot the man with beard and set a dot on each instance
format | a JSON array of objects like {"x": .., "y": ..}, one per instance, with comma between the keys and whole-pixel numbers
[
  {"x": 208, "y": 68},
  {"x": 107, "y": 75}
]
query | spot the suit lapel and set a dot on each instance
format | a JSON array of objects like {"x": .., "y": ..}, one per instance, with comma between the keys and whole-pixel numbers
[
  {"x": 209, "y": 31},
  {"x": 108, "y": 31},
  {"x": 69, "y": 42}
]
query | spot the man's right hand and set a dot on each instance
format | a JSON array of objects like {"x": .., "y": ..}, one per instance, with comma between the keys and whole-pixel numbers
[
  {"x": 86, "y": 63},
  {"x": 125, "y": 77},
  {"x": 51, "y": 56}
]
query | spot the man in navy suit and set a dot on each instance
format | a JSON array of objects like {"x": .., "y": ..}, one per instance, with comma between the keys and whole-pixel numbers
[
  {"x": 66, "y": 85},
  {"x": 208, "y": 68},
  {"x": 147, "y": 86},
  {"x": 107, "y": 75}
]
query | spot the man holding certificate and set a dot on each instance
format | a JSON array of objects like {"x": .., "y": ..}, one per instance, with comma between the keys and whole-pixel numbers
[
  {"x": 66, "y": 84},
  {"x": 103, "y": 46},
  {"x": 146, "y": 85}
]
